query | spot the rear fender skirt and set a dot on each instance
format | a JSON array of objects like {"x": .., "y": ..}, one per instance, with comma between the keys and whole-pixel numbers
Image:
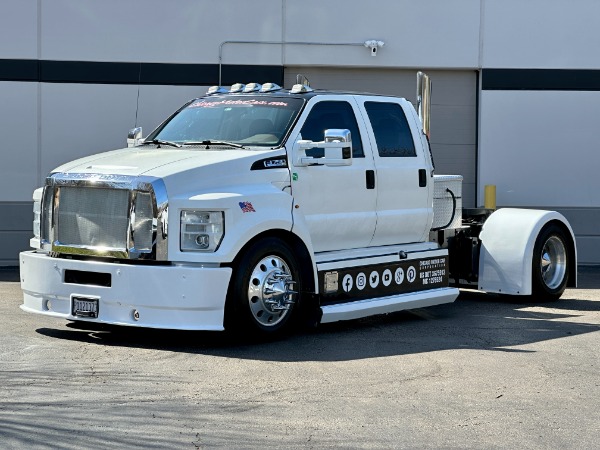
[{"x": 507, "y": 240}]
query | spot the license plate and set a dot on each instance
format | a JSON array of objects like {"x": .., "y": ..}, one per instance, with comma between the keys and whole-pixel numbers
[{"x": 85, "y": 307}]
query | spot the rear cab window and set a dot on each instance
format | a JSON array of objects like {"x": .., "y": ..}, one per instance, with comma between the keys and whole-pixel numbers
[{"x": 391, "y": 129}]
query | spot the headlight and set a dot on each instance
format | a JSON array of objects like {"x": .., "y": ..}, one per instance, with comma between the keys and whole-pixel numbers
[{"x": 201, "y": 230}]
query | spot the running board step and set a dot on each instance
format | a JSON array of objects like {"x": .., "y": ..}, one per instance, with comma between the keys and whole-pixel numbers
[{"x": 383, "y": 305}]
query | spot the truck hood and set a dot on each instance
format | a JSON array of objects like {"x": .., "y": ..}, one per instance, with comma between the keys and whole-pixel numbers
[
  {"x": 186, "y": 171},
  {"x": 161, "y": 162}
]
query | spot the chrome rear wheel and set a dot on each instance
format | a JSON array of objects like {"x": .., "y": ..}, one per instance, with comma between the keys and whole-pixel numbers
[
  {"x": 550, "y": 264},
  {"x": 553, "y": 263}
]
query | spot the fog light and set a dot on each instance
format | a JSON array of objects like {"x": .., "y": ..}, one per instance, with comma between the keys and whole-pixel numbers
[{"x": 202, "y": 241}]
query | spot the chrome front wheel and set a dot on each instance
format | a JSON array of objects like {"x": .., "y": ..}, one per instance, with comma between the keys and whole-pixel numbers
[
  {"x": 270, "y": 291},
  {"x": 264, "y": 292}
]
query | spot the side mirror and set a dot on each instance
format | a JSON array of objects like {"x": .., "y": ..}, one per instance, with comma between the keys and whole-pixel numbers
[
  {"x": 344, "y": 151},
  {"x": 337, "y": 147},
  {"x": 134, "y": 137}
]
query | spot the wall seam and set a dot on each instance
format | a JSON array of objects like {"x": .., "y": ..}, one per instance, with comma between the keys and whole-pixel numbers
[
  {"x": 481, "y": 32},
  {"x": 283, "y": 32},
  {"x": 39, "y": 93}
]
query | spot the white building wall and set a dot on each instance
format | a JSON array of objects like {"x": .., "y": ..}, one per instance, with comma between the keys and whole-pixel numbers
[
  {"x": 536, "y": 147},
  {"x": 20, "y": 133},
  {"x": 181, "y": 31},
  {"x": 417, "y": 34},
  {"x": 537, "y": 135},
  {"x": 544, "y": 34},
  {"x": 540, "y": 150},
  {"x": 47, "y": 123},
  {"x": 19, "y": 29}
]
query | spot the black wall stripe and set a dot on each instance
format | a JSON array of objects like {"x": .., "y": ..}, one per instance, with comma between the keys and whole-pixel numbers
[
  {"x": 88, "y": 72},
  {"x": 19, "y": 70},
  {"x": 540, "y": 80}
]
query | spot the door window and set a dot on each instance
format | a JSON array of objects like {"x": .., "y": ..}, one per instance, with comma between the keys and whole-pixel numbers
[
  {"x": 391, "y": 129},
  {"x": 326, "y": 115}
]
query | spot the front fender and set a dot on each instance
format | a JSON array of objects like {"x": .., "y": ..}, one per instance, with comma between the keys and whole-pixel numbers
[
  {"x": 249, "y": 211},
  {"x": 507, "y": 240}
]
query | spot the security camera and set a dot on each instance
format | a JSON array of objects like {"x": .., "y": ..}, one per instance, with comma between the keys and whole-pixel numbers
[{"x": 374, "y": 45}]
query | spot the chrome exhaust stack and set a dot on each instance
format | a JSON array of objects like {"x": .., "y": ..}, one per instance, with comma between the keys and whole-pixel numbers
[{"x": 424, "y": 101}]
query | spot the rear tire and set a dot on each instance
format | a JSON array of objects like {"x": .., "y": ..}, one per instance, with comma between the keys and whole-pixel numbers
[
  {"x": 550, "y": 264},
  {"x": 264, "y": 291}
]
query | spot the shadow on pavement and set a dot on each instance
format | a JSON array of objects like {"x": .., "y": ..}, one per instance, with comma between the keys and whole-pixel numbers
[{"x": 474, "y": 321}]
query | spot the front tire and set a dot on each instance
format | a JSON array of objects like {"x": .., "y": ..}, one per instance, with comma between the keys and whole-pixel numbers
[
  {"x": 264, "y": 294},
  {"x": 550, "y": 264}
]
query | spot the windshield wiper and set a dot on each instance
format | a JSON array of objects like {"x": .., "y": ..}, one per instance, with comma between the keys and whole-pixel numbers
[
  {"x": 160, "y": 142},
  {"x": 208, "y": 143}
]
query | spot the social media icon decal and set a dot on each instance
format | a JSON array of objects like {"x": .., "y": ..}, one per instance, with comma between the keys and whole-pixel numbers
[
  {"x": 411, "y": 274},
  {"x": 374, "y": 279},
  {"x": 399, "y": 275},
  {"x": 383, "y": 279},
  {"x": 361, "y": 281},
  {"x": 347, "y": 283},
  {"x": 386, "y": 277}
]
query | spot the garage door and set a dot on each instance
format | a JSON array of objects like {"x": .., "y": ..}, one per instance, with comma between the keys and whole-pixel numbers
[{"x": 453, "y": 112}]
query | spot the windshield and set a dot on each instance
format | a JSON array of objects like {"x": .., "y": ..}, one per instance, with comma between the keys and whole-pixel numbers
[{"x": 248, "y": 121}]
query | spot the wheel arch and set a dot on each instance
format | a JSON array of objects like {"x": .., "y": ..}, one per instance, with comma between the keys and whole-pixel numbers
[
  {"x": 298, "y": 245},
  {"x": 507, "y": 242},
  {"x": 310, "y": 312}
]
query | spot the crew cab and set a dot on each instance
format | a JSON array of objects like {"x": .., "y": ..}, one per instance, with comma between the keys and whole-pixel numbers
[{"x": 258, "y": 208}]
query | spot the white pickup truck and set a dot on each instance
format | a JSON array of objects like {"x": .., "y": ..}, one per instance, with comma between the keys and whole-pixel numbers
[{"x": 257, "y": 208}]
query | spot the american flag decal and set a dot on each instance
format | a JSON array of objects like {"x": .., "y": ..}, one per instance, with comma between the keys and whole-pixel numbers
[{"x": 247, "y": 207}]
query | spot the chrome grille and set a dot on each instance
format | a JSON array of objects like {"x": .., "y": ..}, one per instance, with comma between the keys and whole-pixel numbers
[
  {"x": 142, "y": 221},
  {"x": 93, "y": 217},
  {"x": 115, "y": 216}
]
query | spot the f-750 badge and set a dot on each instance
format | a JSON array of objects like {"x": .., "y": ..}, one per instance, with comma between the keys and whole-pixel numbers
[{"x": 275, "y": 163}]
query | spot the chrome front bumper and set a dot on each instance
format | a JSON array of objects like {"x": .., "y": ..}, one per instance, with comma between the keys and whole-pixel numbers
[{"x": 185, "y": 297}]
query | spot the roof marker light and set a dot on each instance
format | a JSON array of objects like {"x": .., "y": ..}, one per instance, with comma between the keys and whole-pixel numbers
[
  {"x": 270, "y": 87},
  {"x": 216, "y": 90},
  {"x": 301, "y": 89},
  {"x": 252, "y": 87},
  {"x": 237, "y": 87}
]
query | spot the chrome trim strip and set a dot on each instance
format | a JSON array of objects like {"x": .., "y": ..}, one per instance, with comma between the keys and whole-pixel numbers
[{"x": 84, "y": 250}]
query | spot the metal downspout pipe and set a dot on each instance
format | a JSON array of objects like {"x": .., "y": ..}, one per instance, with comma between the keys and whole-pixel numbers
[{"x": 222, "y": 44}]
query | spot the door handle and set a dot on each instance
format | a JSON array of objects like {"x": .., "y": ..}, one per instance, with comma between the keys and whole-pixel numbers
[
  {"x": 422, "y": 178},
  {"x": 370, "y": 178}
]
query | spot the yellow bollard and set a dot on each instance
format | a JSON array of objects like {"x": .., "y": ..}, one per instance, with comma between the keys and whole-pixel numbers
[{"x": 489, "y": 196}]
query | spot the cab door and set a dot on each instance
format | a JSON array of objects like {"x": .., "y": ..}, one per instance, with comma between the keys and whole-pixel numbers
[
  {"x": 336, "y": 203},
  {"x": 404, "y": 182}
]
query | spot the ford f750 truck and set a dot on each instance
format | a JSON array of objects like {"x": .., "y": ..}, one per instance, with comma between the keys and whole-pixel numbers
[{"x": 258, "y": 208}]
